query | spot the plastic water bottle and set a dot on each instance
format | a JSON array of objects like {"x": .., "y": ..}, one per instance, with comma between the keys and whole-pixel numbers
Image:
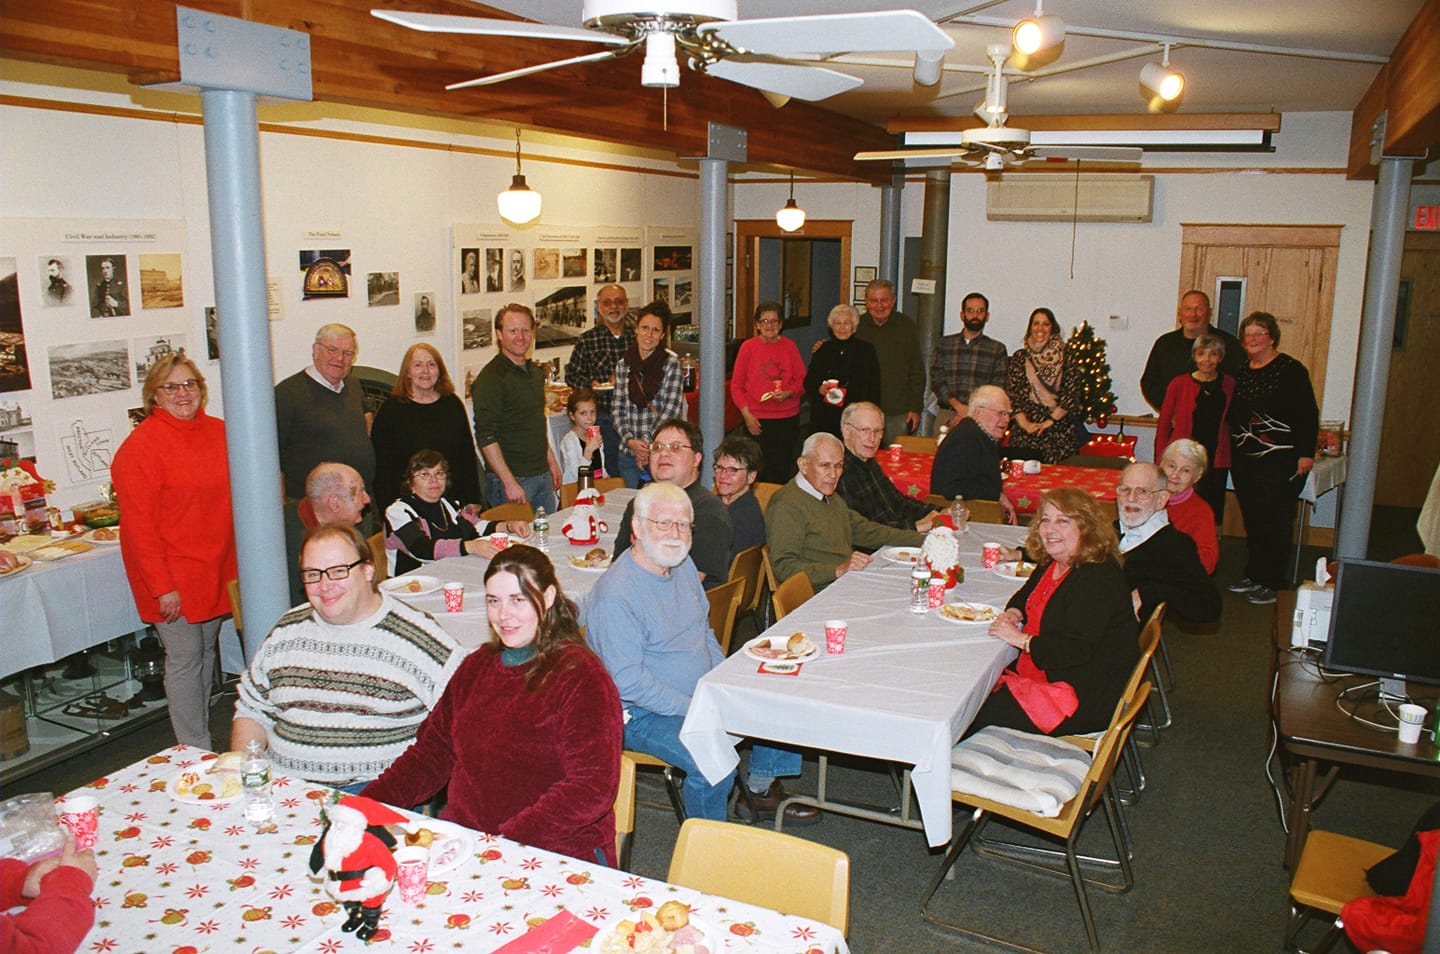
[
  {"x": 255, "y": 780},
  {"x": 959, "y": 515},
  {"x": 920, "y": 589},
  {"x": 541, "y": 530}
]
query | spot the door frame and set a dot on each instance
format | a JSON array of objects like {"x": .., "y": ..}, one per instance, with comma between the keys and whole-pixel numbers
[{"x": 749, "y": 232}]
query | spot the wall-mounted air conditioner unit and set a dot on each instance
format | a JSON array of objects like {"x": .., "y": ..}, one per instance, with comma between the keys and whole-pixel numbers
[{"x": 1056, "y": 198}]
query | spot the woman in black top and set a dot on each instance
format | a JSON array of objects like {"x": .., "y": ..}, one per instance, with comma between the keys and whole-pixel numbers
[
  {"x": 423, "y": 524},
  {"x": 848, "y": 361}
]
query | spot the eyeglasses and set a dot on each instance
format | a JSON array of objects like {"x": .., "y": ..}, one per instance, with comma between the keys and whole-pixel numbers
[
  {"x": 308, "y": 575},
  {"x": 332, "y": 351},
  {"x": 1141, "y": 492},
  {"x": 768, "y": 321},
  {"x": 669, "y": 526},
  {"x": 189, "y": 384},
  {"x": 732, "y": 471},
  {"x": 431, "y": 474},
  {"x": 671, "y": 448},
  {"x": 867, "y": 431},
  {"x": 994, "y": 410}
]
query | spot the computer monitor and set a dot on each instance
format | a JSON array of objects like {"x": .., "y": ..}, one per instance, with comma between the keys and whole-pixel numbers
[{"x": 1385, "y": 622}]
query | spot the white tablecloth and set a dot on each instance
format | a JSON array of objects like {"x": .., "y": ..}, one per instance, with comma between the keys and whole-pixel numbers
[
  {"x": 1327, "y": 474},
  {"x": 54, "y": 609},
  {"x": 904, "y": 691},
  {"x": 470, "y": 627}
]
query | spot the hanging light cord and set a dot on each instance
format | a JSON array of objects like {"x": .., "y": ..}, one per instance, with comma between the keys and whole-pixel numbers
[{"x": 517, "y": 150}]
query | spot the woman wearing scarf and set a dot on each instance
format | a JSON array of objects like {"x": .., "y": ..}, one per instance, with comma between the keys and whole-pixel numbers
[
  {"x": 1044, "y": 393},
  {"x": 647, "y": 391},
  {"x": 423, "y": 524}
]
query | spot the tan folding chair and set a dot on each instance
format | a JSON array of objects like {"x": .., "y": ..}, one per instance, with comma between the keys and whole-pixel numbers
[
  {"x": 233, "y": 589},
  {"x": 625, "y": 811},
  {"x": 749, "y": 566},
  {"x": 763, "y": 492},
  {"x": 981, "y": 511},
  {"x": 672, "y": 783},
  {"x": 764, "y": 867},
  {"x": 915, "y": 443},
  {"x": 724, "y": 604},
  {"x": 510, "y": 511},
  {"x": 603, "y": 484},
  {"x": 1094, "y": 790},
  {"x": 377, "y": 553},
  {"x": 790, "y": 594},
  {"x": 1331, "y": 873}
]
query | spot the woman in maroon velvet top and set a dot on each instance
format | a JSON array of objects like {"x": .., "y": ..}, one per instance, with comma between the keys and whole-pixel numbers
[{"x": 528, "y": 732}]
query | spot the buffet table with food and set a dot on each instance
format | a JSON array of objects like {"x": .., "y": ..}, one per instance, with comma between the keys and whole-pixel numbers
[
  {"x": 903, "y": 690},
  {"x": 181, "y": 869}
]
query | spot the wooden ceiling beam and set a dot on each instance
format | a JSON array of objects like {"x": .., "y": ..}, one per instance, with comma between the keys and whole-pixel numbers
[
  {"x": 1407, "y": 91},
  {"x": 1269, "y": 122},
  {"x": 359, "y": 60}
]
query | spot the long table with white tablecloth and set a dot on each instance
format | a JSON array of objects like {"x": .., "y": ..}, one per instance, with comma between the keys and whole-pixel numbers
[{"x": 906, "y": 688}]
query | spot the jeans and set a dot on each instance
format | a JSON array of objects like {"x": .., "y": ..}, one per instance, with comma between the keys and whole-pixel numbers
[
  {"x": 635, "y": 475},
  {"x": 609, "y": 444},
  {"x": 539, "y": 490},
  {"x": 767, "y": 764},
  {"x": 659, "y": 735}
]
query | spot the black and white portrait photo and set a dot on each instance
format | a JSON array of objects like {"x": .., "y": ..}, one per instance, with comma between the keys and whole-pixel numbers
[
  {"x": 517, "y": 270},
  {"x": 469, "y": 271},
  {"x": 109, "y": 293},
  {"x": 494, "y": 269},
  {"x": 55, "y": 287},
  {"x": 212, "y": 334},
  {"x": 425, "y": 313}
]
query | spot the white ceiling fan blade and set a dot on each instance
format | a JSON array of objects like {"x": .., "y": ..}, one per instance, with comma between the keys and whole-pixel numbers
[
  {"x": 1089, "y": 153},
  {"x": 834, "y": 33},
  {"x": 482, "y": 26},
  {"x": 810, "y": 83},
  {"x": 538, "y": 68}
]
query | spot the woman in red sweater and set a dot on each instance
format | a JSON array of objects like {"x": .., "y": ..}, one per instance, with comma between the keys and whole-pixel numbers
[
  {"x": 527, "y": 735},
  {"x": 1184, "y": 464},
  {"x": 767, "y": 383},
  {"x": 1196, "y": 405},
  {"x": 55, "y": 893},
  {"x": 172, "y": 479}
]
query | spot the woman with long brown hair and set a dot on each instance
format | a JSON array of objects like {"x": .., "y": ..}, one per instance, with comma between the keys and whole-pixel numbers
[
  {"x": 1044, "y": 391},
  {"x": 647, "y": 391},
  {"x": 527, "y": 735},
  {"x": 423, "y": 411}
]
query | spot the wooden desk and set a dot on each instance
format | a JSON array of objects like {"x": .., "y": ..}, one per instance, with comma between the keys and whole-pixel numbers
[{"x": 1314, "y": 733}]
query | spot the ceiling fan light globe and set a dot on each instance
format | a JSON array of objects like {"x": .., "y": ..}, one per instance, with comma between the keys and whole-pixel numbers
[
  {"x": 518, "y": 204},
  {"x": 660, "y": 70},
  {"x": 1162, "y": 81},
  {"x": 790, "y": 217},
  {"x": 1034, "y": 34}
]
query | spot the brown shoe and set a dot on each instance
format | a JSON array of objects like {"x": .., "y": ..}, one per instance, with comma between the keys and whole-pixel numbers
[{"x": 763, "y": 807}]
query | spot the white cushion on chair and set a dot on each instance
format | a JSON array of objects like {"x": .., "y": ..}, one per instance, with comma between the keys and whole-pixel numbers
[{"x": 1034, "y": 772}]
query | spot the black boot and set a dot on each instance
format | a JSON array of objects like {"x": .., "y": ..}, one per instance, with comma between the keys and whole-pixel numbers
[
  {"x": 371, "y": 925},
  {"x": 356, "y": 916}
]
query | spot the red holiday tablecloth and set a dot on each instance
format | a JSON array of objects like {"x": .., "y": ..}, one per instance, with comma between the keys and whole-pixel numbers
[
  {"x": 1024, "y": 491},
  {"x": 911, "y": 473}
]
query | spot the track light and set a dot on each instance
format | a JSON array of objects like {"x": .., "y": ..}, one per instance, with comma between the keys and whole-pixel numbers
[
  {"x": 791, "y": 216},
  {"x": 928, "y": 67},
  {"x": 1040, "y": 32},
  {"x": 1161, "y": 80},
  {"x": 518, "y": 204}
]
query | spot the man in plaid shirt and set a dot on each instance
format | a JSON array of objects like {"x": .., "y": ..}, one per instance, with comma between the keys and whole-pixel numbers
[
  {"x": 966, "y": 360},
  {"x": 593, "y": 361},
  {"x": 864, "y": 485}
]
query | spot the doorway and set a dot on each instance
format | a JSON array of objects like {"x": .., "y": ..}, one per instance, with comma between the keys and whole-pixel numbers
[
  {"x": 1410, "y": 434},
  {"x": 822, "y": 246}
]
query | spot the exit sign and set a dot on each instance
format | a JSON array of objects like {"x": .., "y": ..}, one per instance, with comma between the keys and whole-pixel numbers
[{"x": 1427, "y": 217}]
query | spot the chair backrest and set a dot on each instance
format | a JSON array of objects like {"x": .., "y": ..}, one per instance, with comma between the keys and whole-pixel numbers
[
  {"x": 1418, "y": 559},
  {"x": 981, "y": 511},
  {"x": 1111, "y": 744},
  {"x": 624, "y": 810},
  {"x": 233, "y": 589},
  {"x": 377, "y": 553},
  {"x": 724, "y": 604},
  {"x": 749, "y": 566},
  {"x": 510, "y": 511},
  {"x": 602, "y": 484},
  {"x": 791, "y": 594},
  {"x": 915, "y": 443},
  {"x": 761, "y": 866},
  {"x": 763, "y": 492}
]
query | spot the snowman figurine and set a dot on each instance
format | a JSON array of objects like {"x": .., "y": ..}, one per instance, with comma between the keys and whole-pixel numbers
[{"x": 584, "y": 527}]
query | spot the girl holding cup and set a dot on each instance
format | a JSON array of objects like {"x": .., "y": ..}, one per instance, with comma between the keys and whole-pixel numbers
[{"x": 581, "y": 445}]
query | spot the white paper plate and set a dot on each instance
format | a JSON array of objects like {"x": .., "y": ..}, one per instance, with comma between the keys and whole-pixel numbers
[
  {"x": 711, "y": 940},
  {"x": 585, "y": 568},
  {"x": 994, "y": 610},
  {"x": 754, "y": 651},
  {"x": 907, "y": 555},
  {"x": 411, "y": 585},
  {"x": 453, "y": 845},
  {"x": 1006, "y": 571},
  {"x": 100, "y": 540},
  {"x": 214, "y": 779},
  {"x": 25, "y": 563}
]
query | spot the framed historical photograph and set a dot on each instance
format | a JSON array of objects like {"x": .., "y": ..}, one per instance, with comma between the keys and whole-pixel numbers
[{"x": 864, "y": 274}]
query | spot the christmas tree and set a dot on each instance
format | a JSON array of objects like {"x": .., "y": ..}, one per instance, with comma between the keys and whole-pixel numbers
[{"x": 1087, "y": 359}]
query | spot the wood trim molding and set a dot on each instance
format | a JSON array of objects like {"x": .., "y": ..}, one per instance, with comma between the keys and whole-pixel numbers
[
  {"x": 1269, "y": 122},
  {"x": 1285, "y": 236}
]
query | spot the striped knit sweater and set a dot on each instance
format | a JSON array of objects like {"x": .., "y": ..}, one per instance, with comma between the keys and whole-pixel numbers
[{"x": 340, "y": 703}]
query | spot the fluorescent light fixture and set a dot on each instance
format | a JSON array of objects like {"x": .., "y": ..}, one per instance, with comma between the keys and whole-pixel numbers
[
  {"x": 1161, "y": 80},
  {"x": 791, "y": 216},
  {"x": 518, "y": 204},
  {"x": 1037, "y": 33}
]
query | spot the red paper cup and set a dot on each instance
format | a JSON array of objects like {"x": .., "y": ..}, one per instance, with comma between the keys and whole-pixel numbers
[
  {"x": 81, "y": 814},
  {"x": 835, "y": 632},
  {"x": 592, "y": 432},
  {"x": 990, "y": 555},
  {"x": 500, "y": 539},
  {"x": 454, "y": 597},
  {"x": 1017, "y": 468},
  {"x": 936, "y": 592},
  {"x": 412, "y": 872},
  {"x": 894, "y": 453}
]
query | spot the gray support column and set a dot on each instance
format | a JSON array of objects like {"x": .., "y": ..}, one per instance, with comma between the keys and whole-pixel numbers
[
  {"x": 1372, "y": 367},
  {"x": 714, "y": 323},
  {"x": 934, "y": 252},
  {"x": 890, "y": 229},
  {"x": 237, "y": 246}
]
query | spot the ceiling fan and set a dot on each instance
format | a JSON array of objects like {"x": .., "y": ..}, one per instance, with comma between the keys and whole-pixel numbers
[
  {"x": 996, "y": 145},
  {"x": 712, "y": 40}
]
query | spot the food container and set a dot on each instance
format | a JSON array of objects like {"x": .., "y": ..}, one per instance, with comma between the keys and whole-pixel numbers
[
  {"x": 97, "y": 513},
  {"x": 1332, "y": 439}
]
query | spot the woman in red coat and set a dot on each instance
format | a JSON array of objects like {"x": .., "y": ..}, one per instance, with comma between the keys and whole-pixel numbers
[
  {"x": 1196, "y": 406},
  {"x": 173, "y": 483}
]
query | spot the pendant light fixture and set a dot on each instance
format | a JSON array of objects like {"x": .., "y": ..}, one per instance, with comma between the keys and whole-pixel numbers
[
  {"x": 518, "y": 204},
  {"x": 791, "y": 217}
]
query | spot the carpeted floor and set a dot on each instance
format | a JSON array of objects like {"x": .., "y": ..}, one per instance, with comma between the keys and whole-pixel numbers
[{"x": 1207, "y": 833}]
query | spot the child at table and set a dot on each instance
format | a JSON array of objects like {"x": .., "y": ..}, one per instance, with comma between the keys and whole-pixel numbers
[
  {"x": 58, "y": 911},
  {"x": 581, "y": 444}
]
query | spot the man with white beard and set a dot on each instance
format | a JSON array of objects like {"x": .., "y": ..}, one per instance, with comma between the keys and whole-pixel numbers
[
  {"x": 1161, "y": 563},
  {"x": 648, "y": 620}
]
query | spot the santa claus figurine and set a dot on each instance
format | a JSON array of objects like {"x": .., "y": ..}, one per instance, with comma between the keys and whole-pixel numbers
[
  {"x": 584, "y": 527},
  {"x": 355, "y": 850}
]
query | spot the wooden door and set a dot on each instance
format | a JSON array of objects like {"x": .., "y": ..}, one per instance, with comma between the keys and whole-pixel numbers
[
  {"x": 1410, "y": 434},
  {"x": 1289, "y": 271},
  {"x": 749, "y": 232}
]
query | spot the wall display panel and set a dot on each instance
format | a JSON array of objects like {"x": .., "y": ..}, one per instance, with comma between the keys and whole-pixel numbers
[{"x": 671, "y": 254}]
